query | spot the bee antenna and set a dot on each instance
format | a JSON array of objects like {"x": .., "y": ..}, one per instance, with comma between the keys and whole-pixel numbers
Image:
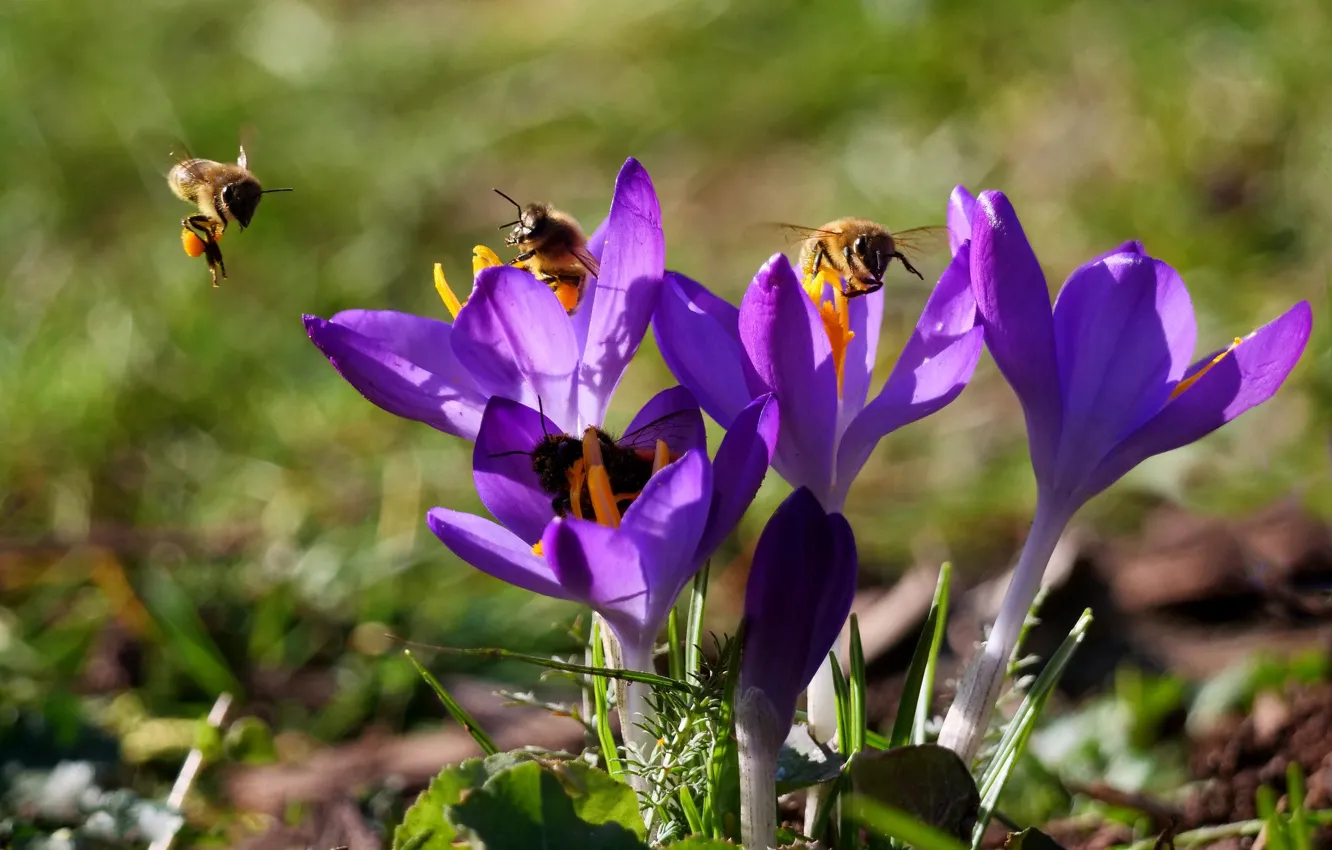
[
  {"x": 516, "y": 205},
  {"x": 541, "y": 410},
  {"x": 287, "y": 189}
]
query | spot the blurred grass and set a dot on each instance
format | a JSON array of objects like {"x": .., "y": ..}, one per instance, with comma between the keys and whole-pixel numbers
[{"x": 198, "y": 437}]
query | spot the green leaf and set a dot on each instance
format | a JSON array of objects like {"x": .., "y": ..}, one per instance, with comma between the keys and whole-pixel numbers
[
  {"x": 913, "y": 709},
  {"x": 1030, "y": 839},
  {"x": 698, "y": 602},
  {"x": 895, "y": 823},
  {"x": 803, "y": 761},
  {"x": 927, "y": 782},
  {"x": 424, "y": 826},
  {"x": 698, "y": 842},
  {"x": 552, "y": 806},
  {"x": 187, "y": 640},
  {"x": 856, "y": 692}
]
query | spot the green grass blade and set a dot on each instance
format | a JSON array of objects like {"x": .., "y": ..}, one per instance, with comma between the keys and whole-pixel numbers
[
  {"x": 843, "y": 693},
  {"x": 601, "y": 704},
  {"x": 913, "y": 709},
  {"x": 693, "y": 639},
  {"x": 875, "y": 741},
  {"x": 857, "y": 719},
  {"x": 895, "y": 823},
  {"x": 451, "y": 705},
  {"x": 1014, "y": 739},
  {"x": 1301, "y": 835},
  {"x": 674, "y": 647},
  {"x": 690, "y": 809}
]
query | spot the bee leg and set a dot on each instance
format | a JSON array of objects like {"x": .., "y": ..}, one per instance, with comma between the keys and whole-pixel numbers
[
  {"x": 816, "y": 262},
  {"x": 907, "y": 265},
  {"x": 523, "y": 257},
  {"x": 205, "y": 228}
]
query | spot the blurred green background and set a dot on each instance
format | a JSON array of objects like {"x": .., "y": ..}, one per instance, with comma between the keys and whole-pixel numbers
[{"x": 179, "y": 465}]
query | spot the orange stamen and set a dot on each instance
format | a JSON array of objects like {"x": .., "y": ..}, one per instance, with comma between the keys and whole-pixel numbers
[
  {"x": 836, "y": 318},
  {"x": 660, "y": 457},
  {"x": 483, "y": 258},
  {"x": 446, "y": 293},
  {"x": 1192, "y": 379},
  {"x": 538, "y": 549},
  {"x": 598, "y": 481},
  {"x": 576, "y": 476}
]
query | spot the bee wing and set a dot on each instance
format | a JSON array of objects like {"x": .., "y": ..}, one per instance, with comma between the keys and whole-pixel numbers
[
  {"x": 797, "y": 233},
  {"x": 675, "y": 428},
  {"x": 194, "y": 167},
  {"x": 921, "y": 240},
  {"x": 589, "y": 262}
]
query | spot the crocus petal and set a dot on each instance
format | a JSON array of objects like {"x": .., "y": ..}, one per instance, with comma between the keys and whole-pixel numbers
[
  {"x": 1133, "y": 246},
  {"x": 402, "y": 364},
  {"x": 631, "y": 270},
  {"x": 496, "y": 551},
  {"x": 582, "y": 317},
  {"x": 1014, "y": 307},
  {"x": 502, "y": 467},
  {"x": 801, "y": 582},
  {"x": 666, "y": 522},
  {"x": 1124, "y": 334},
  {"x": 699, "y": 337},
  {"x": 738, "y": 470},
  {"x": 961, "y": 206},
  {"x": 670, "y": 415},
  {"x": 865, "y": 320},
  {"x": 600, "y": 567},
  {"x": 788, "y": 354},
  {"x": 1248, "y": 376},
  {"x": 517, "y": 341},
  {"x": 935, "y": 365}
]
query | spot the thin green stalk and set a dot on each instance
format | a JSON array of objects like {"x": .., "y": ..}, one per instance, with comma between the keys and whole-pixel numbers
[
  {"x": 452, "y": 707},
  {"x": 674, "y": 648},
  {"x": 693, "y": 643},
  {"x": 1205, "y": 835},
  {"x": 601, "y": 699},
  {"x": 569, "y": 667}
]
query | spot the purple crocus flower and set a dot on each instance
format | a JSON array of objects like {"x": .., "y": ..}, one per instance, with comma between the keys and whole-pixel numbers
[
  {"x": 513, "y": 339},
  {"x": 1105, "y": 382},
  {"x": 815, "y": 352},
  {"x": 631, "y": 569},
  {"x": 801, "y": 582}
]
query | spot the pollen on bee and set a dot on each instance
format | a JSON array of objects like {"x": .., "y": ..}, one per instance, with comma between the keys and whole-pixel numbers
[
  {"x": 568, "y": 295},
  {"x": 193, "y": 245}
]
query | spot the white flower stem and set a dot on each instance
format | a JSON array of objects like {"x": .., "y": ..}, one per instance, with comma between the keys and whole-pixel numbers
[
  {"x": 821, "y": 711},
  {"x": 631, "y": 700},
  {"x": 964, "y": 725},
  {"x": 759, "y": 735}
]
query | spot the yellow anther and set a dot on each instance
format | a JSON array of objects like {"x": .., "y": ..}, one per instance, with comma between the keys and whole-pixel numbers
[
  {"x": 446, "y": 292},
  {"x": 660, "y": 457},
  {"x": 483, "y": 258},
  {"x": 575, "y": 477},
  {"x": 836, "y": 318},
  {"x": 1189, "y": 381},
  {"x": 537, "y": 549}
]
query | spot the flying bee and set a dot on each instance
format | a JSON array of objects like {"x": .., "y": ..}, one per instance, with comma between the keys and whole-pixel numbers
[
  {"x": 859, "y": 250},
  {"x": 561, "y": 462},
  {"x": 553, "y": 248},
  {"x": 223, "y": 192}
]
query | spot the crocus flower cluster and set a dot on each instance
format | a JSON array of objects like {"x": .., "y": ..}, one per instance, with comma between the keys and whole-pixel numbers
[{"x": 1104, "y": 379}]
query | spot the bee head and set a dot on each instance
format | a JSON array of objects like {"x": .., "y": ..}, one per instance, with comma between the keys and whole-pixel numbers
[
  {"x": 240, "y": 200},
  {"x": 875, "y": 250},
  {"x": 531, "y": 224}
]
